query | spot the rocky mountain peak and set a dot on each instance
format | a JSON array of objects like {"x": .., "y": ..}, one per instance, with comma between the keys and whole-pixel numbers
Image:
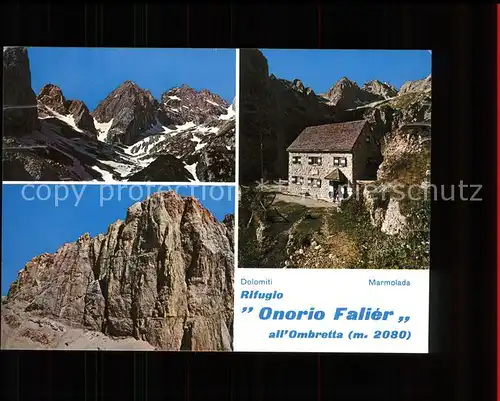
[
  {"x": 411, "y": 104},
  {"x": 132, "y": 109},
  {"x": 187, "y": 94},
  {"x": 342, "y": 84},
  {"x": 299, "y": 85},
  {"x": 164, "y": 276},
  {"x": 132, "y": 93},
  {"x": 20, "y": 115},
  {"x": 168, "y": 204},
  {"x": 344, "y": 94},
  {"x": 185, "y": 104},
  {"x": 346, "y": 82},
  {"x": 130, "y": 88},
  {"x": 421, "y": 85},
  {"x": 379, "y": 88},
  {"x": 81, "y": 115},
  {"x": 52, "y": 96},
  {"x": 129, "y": 83},
  {"x": 51, "y": 99},
  {"x": 205, "y": 92}
]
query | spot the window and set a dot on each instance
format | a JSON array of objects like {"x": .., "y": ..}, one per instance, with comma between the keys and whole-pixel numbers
[
  {"x": 315, "y": 161},
  {"x": 296, "y": 159},
  {"x": 294, "y": 179},
  {"x": 301, "y": 180},
  {"x": 340, "y": 161},
  {"x": 314, "y": 182}
]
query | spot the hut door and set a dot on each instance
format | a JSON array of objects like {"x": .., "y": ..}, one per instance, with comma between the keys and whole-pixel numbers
[
  {"x": 345, "y": 194},
  {"x": 333, "y": 188}
]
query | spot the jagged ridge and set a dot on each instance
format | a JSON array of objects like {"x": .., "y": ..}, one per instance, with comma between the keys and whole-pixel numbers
[
  {"x": 57, "y": 139},
  {"x": 164, "y": 275}
]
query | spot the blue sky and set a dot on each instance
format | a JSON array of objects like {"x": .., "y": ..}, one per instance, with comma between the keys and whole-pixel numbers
[
  {"x": 32, "y": 227},
  {"x": 90, "y": 74},
  {"x": 321, "y": 69}
]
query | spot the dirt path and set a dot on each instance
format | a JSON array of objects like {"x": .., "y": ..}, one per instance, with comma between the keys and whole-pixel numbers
[
  {"x": 302, "y": 200},
  {"x": 281, "y": 195}
]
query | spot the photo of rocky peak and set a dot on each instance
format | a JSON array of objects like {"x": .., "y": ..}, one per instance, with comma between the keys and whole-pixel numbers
[
  {"x": 161, "y": 278},
  {"x": 324, "y": 172},
  {"x": 181, "y": 135}
]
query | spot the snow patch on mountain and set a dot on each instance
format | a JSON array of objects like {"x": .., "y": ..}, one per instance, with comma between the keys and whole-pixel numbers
[
  {"x": 186, "y": 126},
  {"x": 230, "y": 114},
  {"x": 209, "y": 101},
  {"x": 102, "y": 129},
  {"x": 372, "y": 104},
  {"x": 106, "y": 175},
  {"x": 68, "y": 119},
  {"x": 192, "y": 169},
  {"x": 158, "y": 128}
]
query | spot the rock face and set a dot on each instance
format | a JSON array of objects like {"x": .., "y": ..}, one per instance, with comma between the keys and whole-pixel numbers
[
  {"x": 19, "y": 101},
  {"x": 81, "y": 115},
  {"x": 378, "y": 88},
  {"x": 165, "y": 168},
  {"x": 406, "y": 163},
  {"x": 51, "y": 99},
  {"x": 421, "y": 85},
  {"x": 411, "y": 104},
  {"x": 132, "y": 109},
  {"x": 273, "y": 111},
  {"x": 206, "y": 150},
  {"x": 51, "y": 96},
  {"x": 185, "y": 104},
  {"x": 229, "y": 223},
  {"x": 216, "y": 158},
  {"x": 346, "y": 94},
  {"x": 163, "y": 276},
  {"x": 394, "y": 222}
]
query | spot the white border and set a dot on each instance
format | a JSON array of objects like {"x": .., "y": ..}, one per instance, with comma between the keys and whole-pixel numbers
[
  {"x": 236, "y": 173},
  {"x": 147, "y": 183}
]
